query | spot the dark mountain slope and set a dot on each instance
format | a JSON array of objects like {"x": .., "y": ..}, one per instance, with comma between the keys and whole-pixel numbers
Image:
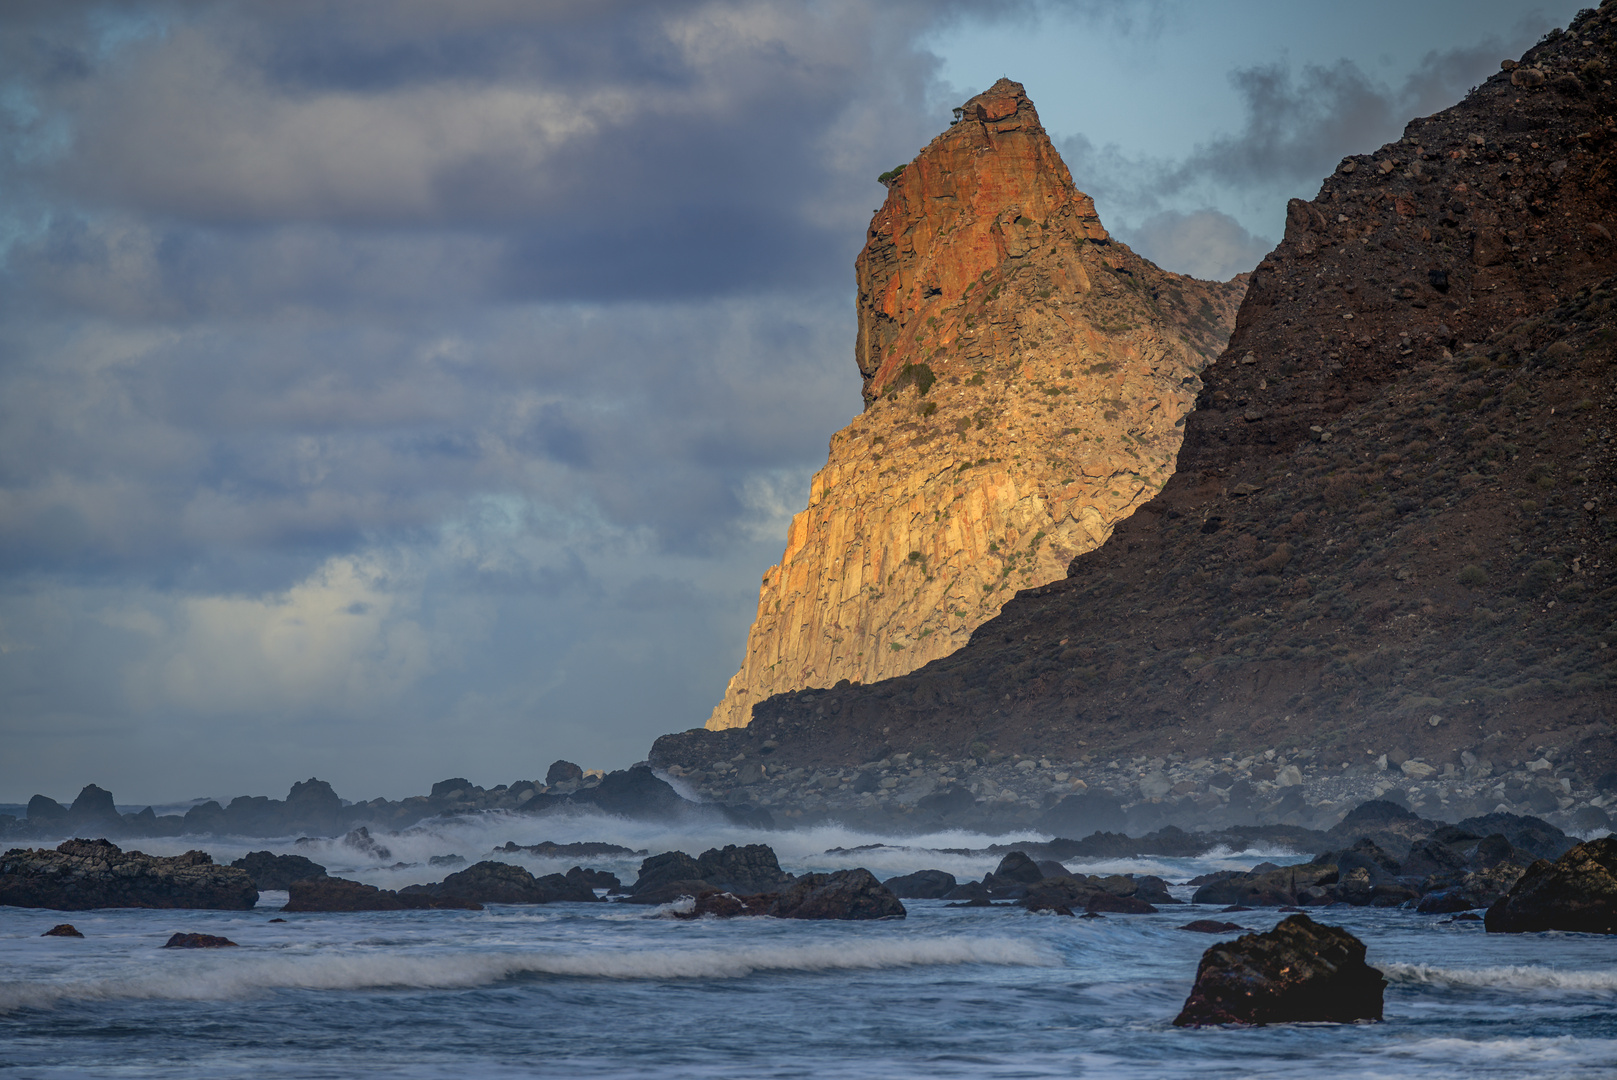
[{"x": 1393, "y": 502}]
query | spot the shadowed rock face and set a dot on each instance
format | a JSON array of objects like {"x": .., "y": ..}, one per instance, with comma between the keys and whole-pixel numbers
[
  {"x": 1395, "y": 468},
  {"x": 492, "y": 882},
  {"x": 1024, "y": 378},
  {"x": 84, "y": 874},
  {"x": 1298, "y": 972},
  {"x": 1576, "y": 893},
  {"x": 340, "y": 894},
  {"x": 277, "y": 872}
]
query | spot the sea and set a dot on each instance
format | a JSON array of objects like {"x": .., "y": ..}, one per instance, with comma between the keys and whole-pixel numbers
[{"x": 619, "y": 990}]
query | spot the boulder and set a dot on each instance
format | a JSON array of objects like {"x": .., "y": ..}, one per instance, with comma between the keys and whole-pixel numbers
[
  {"x": 747, "y": 870},
  {"x": 491, "y": 882},
  {"x": 83, "y": 874},
  {"x": 968, "y": 890},
  {"x": 563, "y": 772},
  {"x": 1211, "y": 926},
  {"x": 1469, "y": 891},
  {"x": 1576, "y": 893},
  {"x": 666, "y": 892},
  {"x": 312, "y": 806},
  {"x": 1265, "y": 885},
  {"x": 62, "y": 930},
  {"x": 922, "y": 885},
  {"x": 665, "y": 868},
  {"x": 199, "y": 941},
  {"x": 846, "y": 894},
  {"x": 1531, "y": 836},
  {"x": 1299, "y": 972},
  {"x": 1118, "y": 893},
  {"x": 340, "y": 894},
  {"x": 94, "y": 812},
  {"x": 593, "y": 879},
  {"x": 277, "y": 872},
  {"x": 636, "y": 793}
]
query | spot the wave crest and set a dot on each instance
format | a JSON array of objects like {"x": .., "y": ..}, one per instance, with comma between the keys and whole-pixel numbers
[
  {"x": 239, "y": 976},
  {"x": 1515, "y": 977}
]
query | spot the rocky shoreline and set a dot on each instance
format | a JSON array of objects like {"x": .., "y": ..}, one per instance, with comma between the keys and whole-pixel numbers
[{"x": 1304, "y": 787}]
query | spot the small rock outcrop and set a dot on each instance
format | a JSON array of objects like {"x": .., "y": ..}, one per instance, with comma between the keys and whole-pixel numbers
[
  {"x": 747, "y": 870},
  {"x": 1576, "y": 893},
  {"x": 922, "y": 885},
  {"x": 492, "y": 882},
  {"x": 199, "y": 941},
  {"x": 83, "y": 874},
  {"x": 340, "y": 894},
  {"x": 277, "y": 872},
  {"x": 846, "y": 894},
  {"x": 62, "y": 930},
  {"x": 1299, "y": 972}
]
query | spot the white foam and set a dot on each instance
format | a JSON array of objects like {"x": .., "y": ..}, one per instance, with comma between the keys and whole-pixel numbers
[
  {"x": 209, "y": 978},
  {"x": 1516, "y": 977}
]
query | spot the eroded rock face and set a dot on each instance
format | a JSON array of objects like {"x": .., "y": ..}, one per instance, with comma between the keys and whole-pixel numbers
[
  {"x": 1575, "y": 893},
  {"x": 1025, "y": 379},
  {"x": 1299, "y": 972},
  {"x": 84, "y": 874},
  {"x": 1389, "y": 477}
]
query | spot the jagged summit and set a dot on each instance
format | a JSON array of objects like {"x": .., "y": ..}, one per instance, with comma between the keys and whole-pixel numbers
[{"x": 1025, "y": 377}]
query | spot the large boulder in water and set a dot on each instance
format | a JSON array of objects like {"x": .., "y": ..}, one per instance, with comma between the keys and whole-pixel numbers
[
  {"x": 1299, "y": 972},
  {"x": 491, "y": 882},
  {"x": 922, "y": 885},
  {"x": 1577, "y": 893},
  {"x": 846, "y": 894},
  {"x": 84, "y": 874},
  {"x": 1265, "y": 885},
  {"x": 43, "y": 808},
  {"x": 94, "y": 813},
  {"x": 272, "y": 871},
  {"x": 340, "y": 894}
]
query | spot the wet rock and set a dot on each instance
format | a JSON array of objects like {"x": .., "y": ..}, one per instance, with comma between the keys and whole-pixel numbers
[
  {"x": 277, "y": 872},
  {"x": 491, "y": 882},
  {"x": 83, "y": 874},
  {"x": 1271, "y": 887},
  {"x": 340, "y": 894},
  {"x": 594, "y": 879},
  {"x": 1010, "y": 880},
  {"x": 1212, "y": 926},
  {"x": 922, "y": 885},
  {"x": 1576, "y": 893},
  {"x": 362, "y": 841},
  {"x": 62, "y": 930},
  {"x": 635, "y": 793},
  {"x": 199, "y": 941},
  {"x": 1532, "y": 836},
  {"x": 1467, "y": 891},
  {"x": 749, "y": 869},
  {"x": 1299, "y": 972},
  {"x": 846, "y": 894},
  {"x": 668, "y": 891},
  {"x": 1118, "y": 893},
  {"x": 968, "y": 890}
]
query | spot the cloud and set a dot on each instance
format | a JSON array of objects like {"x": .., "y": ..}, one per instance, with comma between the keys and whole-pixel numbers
[{"x": 1203, "y": 243}]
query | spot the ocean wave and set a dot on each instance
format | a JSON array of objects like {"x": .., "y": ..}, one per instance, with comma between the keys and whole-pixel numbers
[
  {"x": 1516, "y": 977},
  {"x": 237, "y": 976}
]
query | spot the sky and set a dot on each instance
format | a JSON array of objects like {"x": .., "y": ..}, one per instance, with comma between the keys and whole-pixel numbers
[{"x": 393, "y": 390}]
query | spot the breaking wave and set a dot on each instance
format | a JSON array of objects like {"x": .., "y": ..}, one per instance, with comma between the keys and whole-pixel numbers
[
  {"x": 238, "y": 976},
  {"x": 1517, "y": 977}
]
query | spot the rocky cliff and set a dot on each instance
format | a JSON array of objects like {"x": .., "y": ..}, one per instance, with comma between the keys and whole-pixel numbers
[
  {"x": 1025, "y": 379},
  {"x": 1390, "y": 535}
]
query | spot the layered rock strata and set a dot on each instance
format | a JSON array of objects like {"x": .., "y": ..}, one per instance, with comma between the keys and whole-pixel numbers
[
  {"x": 1025, "y": 378},
  {"x": 1391, "y": 521},
  {"x": 81, "y": 875}
]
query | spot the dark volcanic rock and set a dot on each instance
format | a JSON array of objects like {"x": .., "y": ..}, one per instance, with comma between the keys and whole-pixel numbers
[
  {"x": 664, "y": 868},
  {"x": 568, "y": 851},
  {"x": 1118, "y": 893},
  {"x": 635, "y": 792},
  {"x": 666, "y": 891},
  {"x": 1575, "y": 893},
  {"x": 42, "y": 808},
  {"x": 1533, "y": 837},
  {"x": 922, "y": 885},
  {"x": 93, "y": 812},
  {"x": 340, "y": 894},
  {"x": 199, "y": 941},
  {"x": 750, "y": 869},
  {"x": 846, "y": 894},
  {"x": 594, "y": 879},
  {"x": 277, "y": 872},
  {"x": 1212, "y": 926},
  {"x": 492, "y": 882},
  {"x": 1298, "y": 972},
  {"x": 62, "y": 930},
  {"x": 84, "y": 874},
  {"x": 1271, "y": 887},
  {"x": 1467, "y": 891},
  {"x": 563, "y": 772}
]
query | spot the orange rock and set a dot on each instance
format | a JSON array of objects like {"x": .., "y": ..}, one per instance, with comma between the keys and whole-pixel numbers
[{"x": 1025, "y": 378}]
